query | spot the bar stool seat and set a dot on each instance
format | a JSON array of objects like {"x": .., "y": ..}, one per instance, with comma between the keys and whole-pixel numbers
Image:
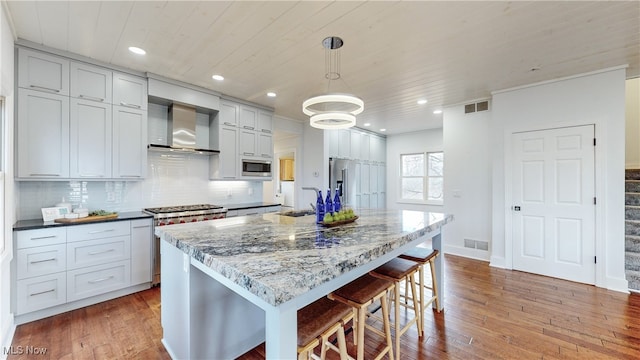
[
  {"x": 398, "y": 270},
  {"x": 423, "y": 256},
  {"x": 317, "y": 322},
  {"x": 359, "y": 294}
]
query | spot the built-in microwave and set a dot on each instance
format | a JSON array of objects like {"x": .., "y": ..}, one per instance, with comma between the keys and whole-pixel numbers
[{"x": 258, "y": 168}]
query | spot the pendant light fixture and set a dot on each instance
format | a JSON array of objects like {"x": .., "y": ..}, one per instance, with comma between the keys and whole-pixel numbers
[{"x": 332, "y": 110}]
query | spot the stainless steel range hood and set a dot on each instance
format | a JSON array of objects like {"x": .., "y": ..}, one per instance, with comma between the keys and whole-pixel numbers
[{"x": 181, "y": 132}]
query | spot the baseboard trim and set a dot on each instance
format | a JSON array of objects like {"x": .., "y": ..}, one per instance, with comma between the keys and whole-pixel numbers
[
  {"x": 617, "y": 284},
  {"x": 466, "y": 252},
  {"x": 498, "y": 262}
]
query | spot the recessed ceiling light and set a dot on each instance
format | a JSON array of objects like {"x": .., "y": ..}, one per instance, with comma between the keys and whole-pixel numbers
[
  {"x": 137, "y": 50},
  {"x": 217, "y": 77},
  {"x": 383, "y": 130},
  {"x": 367, "y": 124},
  {"x": 422, "y": 101},
  {"x": 271, "y": 94},
  {"x": 437, "y": 111}
]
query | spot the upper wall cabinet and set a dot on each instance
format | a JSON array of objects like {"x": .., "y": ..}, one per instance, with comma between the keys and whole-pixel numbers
[
  {"x": 129, "y": 151},
  {"x": 43, "y": 135},
  {"x": 43, "y": 72},
  {"x": 129, "y": 91},
  {"x": 91, "y": 82},
  {"x": 265, "y": 121},
  {"x": 248, "y": 117}
]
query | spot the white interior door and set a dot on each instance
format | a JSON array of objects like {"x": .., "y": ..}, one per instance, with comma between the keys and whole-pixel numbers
[{"x": 553, "y": 203}]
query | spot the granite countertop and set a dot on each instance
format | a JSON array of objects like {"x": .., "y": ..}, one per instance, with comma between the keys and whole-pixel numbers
[
  {"x": 39, "y": 224},
  {"x": 278, "y": 258},
  {"x": 249, "y": 205}
]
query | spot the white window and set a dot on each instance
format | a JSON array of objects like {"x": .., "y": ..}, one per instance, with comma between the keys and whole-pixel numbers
[{"x": 422, "y": 177}]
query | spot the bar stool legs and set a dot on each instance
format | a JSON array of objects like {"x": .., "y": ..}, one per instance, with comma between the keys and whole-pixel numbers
[
  {"x": 316, "y": 323},
  {"x": 422, "y": 256},
  {"x": 359, "y": 294}
]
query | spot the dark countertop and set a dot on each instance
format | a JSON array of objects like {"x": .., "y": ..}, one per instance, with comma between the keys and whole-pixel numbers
[
  {"x": 249, "y": 205},
  {"x": 39, "y": 224}
]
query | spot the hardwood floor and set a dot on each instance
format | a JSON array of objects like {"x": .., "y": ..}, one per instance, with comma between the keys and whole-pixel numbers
[{"x": 489, "y": 314}]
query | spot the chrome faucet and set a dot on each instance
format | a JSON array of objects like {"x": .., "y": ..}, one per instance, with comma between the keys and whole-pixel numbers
[{"x": 312, "y": 188}]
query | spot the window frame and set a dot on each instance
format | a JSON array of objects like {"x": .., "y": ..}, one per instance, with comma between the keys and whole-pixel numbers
[{"x": 425, "y": 180}]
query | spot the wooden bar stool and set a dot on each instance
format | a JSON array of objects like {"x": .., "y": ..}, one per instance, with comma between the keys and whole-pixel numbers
[
  {"x": 397, "y": 271},
  {"x": 359, "y": 294},
  {"x": 317, "y": 322},
  {"x": 423, "y": 256}
]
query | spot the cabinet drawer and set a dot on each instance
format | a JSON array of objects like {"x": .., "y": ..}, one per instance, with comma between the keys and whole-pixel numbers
[
  {"x": 41, "y": 292},
  {"x": 253, "y": 211},
  {"x": 95, "y": 280},
  {"x": 98, "y": 231},
  {"x": 39, "y": 237},
  {"x": 41, "y": 260},
  {"x": 95, "y": 252}
]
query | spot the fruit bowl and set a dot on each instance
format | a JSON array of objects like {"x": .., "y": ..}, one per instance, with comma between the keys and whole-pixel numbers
[{"x": 336, "y": 223}]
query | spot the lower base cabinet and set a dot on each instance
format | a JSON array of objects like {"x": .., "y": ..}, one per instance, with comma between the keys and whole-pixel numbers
[{"x": 79, "y": 262}]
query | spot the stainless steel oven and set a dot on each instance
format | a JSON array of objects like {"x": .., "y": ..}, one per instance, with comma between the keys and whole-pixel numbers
[
  {"x": 170, "y": 215},
  {"x": 258, "y": 168}
]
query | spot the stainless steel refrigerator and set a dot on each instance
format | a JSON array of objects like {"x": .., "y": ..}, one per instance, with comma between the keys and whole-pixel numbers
[{"x": 342, "y": 176}]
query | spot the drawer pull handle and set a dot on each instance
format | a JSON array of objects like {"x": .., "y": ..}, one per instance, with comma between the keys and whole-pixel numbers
[
  {"x": 91, "y": 97},
  {"x": 101, "y": 252},
  {"x": 91, "y": 175},
  {"x": 100, "y": 280},
  {"x": 141, "y": 226},
  {"x": 100, "y": 231},
  {"x": 41, "y": 261},
  {"x": 249, "y": 154},
  {"x": 266, "y": 131},
  {"x": 42, "y": 292},
  {"x": 130, "y": 176},
  {"x": 44, "y": 237},
  {"x": 130, "y": 105},
  {"x": 36, "y": 174},
  {"x": 248, "y": 127},
  {"x": 229, "y": 124},
  {"x": 44, "y": 88}
]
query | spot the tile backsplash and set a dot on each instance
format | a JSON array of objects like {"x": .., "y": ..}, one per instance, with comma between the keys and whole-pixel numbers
[{"x": 171, "y": 180}]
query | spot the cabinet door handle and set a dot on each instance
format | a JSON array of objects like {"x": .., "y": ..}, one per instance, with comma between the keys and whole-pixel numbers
[
  {"x": 41, "y": 261},
  {"x": 101, "y": 252},
  {"x": 228, "y": 177},
  {"x": 44, "y": 237},
  {"x": 91, "y": 175},
  {"x": 44, "y": 88},
  {"x": 91, "y": 97},
  {"x": 36, "y": 174},
  {"x": 249, "y": 154},
  {"x": 130, "y": 105},
  {"x": 42, "y": 292},
  {"x": 141, "y": 226},
  {"x": 101, "y": 231},
  {"x": 100, "y": 280},
  {"x": 248, "y": 127},
  {"x": 266, "y": 131},
  {"x": 229, "y": 124},
  {"x": 131, "y": 176},
  {"x": 266, "y": 155}
]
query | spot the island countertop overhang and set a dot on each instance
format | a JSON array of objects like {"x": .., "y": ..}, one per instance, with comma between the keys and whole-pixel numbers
[{"x": 278, "y": 258}]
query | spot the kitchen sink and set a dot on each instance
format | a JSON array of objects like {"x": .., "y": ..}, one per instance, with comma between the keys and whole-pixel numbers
[{"x": 298, "y": 213}]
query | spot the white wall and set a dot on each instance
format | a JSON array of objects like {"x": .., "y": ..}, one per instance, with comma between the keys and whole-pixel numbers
[
  {"x": 596, "y": 98},
  {"x": 632, "y": 133},
  {"x": 6, "y": 182},
  {"x": 467, "y": 179},
  {"x": 290, "y": 134},
  {"x": 421, "y": 141}
]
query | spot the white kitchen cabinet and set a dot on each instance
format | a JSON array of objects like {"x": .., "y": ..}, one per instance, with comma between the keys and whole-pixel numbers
[
  {"x": 43, "y": 135},
  {"x": 129, "y": 91},
  {"x": 40, "y": 237},
  {"x": 377, "y": 149},
  {"x": 43, "y": 72},
  {"x": 364, "y": 147},
  {"x": 232, "y": 213},
  {"x": 228, "y": 114},
  {"x": 364, "y": 201},
  {"x": 141, "y": 257},
  {"x": 365, "y": 178},
  {"x": 265, "y": 121},
  {"x": 248, "y": 117},
  {"x": 344, "y": 140},
  {"x": 42, "y": 260},
  {"x": 90, "y": 140},
  {"x": 100, "y": 251},
  {"x": 265, "y": 145},
  {"x": 252, "y": 211},
  {"x": 41, "y": 292},
  {"x": 272, "y": 209},
  {"x": 248, "y": 143},
  {"x": 95, "y": 280},
  {"x": 373, "y": 178},
  {"x": 334, "y": 143},
  {"x": 97, "y": 231},
  {"x": 129, "y": 143},
  {"x": 91, "y": 82},
  {"x": 355, "y": 144},
  {"x": 225, "y": 165}
]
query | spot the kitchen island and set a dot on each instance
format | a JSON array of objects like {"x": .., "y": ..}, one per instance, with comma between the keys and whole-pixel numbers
[{"x": 230, "y": 284}]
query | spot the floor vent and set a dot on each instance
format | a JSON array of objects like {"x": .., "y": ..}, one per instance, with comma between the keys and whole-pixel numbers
[
  {"x": 481, "y": 106},
  {"x": 476, "y": 244}
]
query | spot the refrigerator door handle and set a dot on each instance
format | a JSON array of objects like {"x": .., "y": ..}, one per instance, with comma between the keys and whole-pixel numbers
[{"x": 344, "y": 188}]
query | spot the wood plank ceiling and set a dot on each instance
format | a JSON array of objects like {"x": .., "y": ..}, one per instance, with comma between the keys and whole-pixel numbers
[{"x": 394, "y": 54}]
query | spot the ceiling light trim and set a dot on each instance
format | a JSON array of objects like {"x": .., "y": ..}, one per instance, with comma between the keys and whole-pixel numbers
[{"x": 332, "y": 120}]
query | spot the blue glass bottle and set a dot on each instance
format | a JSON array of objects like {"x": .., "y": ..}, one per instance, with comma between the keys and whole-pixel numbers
[
  {"x": 328, "y": 205},
  {"x": 336, "y": 201},
  {"x": 319, "y": 208}
]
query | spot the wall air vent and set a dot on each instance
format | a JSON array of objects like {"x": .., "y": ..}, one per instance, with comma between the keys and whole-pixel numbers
[{"x": 481, "y": 106}]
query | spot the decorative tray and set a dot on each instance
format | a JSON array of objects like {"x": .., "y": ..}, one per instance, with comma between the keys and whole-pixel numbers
[
  {"x": 337, "y": 223},
  {"x": 86, "y": 219}
]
